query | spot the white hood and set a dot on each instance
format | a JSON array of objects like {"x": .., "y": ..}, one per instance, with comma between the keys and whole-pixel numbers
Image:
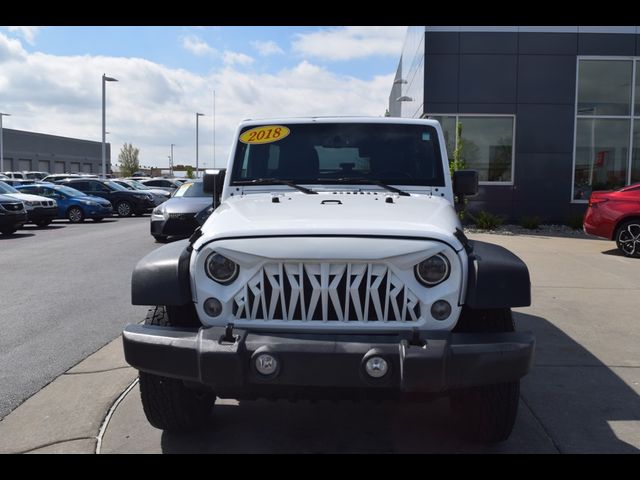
[
  {"x": 27, "y": 197},
  {"x": 331, "y": 213}
]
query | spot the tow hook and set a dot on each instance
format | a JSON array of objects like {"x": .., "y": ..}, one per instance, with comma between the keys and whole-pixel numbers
[{"x": 228, "y": 337}]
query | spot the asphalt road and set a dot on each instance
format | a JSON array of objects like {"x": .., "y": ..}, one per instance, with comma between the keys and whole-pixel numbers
[{"x": 65, "y": 292}]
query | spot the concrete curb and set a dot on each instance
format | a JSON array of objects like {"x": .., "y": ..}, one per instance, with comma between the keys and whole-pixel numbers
[{"x": 69, "y": 414}]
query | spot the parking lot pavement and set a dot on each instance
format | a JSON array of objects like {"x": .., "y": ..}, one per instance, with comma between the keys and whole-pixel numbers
[
  {"x": 65, "y": 293},
  {"x": 582, "y": 395}
]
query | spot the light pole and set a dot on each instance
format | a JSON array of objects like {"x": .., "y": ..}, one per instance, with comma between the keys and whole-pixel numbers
[
  {"x": 214, "y": 129},
  {"x": 171, "y": 160},
  {"x": 198, "y": 115},
  {"x": 104, "y": 134},
  {"x": 1, "y": 144}
]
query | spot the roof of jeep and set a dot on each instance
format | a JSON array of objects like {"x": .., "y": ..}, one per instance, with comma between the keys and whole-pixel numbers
[{"x": 290, "y": 120}]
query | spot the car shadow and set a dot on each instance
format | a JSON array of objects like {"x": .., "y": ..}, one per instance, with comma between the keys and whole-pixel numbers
[
  {"x": 36, "y": 227},
  {"x": 570, "y": 402},
  {"x": 16, "y": 235},
  {"x": 614, "y": 251}
]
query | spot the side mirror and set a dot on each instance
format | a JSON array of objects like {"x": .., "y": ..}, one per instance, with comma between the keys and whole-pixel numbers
[
  {"x": 212, "y": 183},
  {"x": 465, "y": 182}
]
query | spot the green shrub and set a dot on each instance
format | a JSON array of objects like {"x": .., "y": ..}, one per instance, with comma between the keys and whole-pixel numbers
[
  {"x": 486, "y": 221},
  {"x": 530, "y": 223},
  {"x": 575, "y": 221}
]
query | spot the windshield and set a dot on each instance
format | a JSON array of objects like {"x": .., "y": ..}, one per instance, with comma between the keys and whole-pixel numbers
[
  {"x": 137, "y": 185},
  {"x": 316, "y": 153},
  {"x": 191, "y": 189},
  {"x": 68, "y": 191},
  {"x": 125, "y": 185},
  {"x": 4, "y": 188},
  {"x": 116, "y": 186}
]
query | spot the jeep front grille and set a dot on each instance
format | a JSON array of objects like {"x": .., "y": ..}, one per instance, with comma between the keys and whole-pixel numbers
[{"x": 353, "y": 292}]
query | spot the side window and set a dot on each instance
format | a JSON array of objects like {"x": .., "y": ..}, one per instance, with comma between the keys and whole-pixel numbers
[
  {"x": 82, "y": 186},
  {"x": 153, "y": 183}
]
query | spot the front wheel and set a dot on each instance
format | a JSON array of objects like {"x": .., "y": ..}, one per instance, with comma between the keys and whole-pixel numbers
[
  {"x": 8, "y": 230},
  {"x": 486, "y": 413},
  {"x": 628, "y": 238},
  {"x": 98, "y": 219},
  {"x": 167, "y": 403},
  {"x": 75, "y": 215},
  {"x": 43, "y": 223},
  {"x": 124, "y": 209}
]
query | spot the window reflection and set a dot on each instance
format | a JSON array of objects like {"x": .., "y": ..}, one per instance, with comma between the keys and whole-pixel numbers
[
  {"x": 602, "y": 155},
  {"x": 604, "y": 87}
]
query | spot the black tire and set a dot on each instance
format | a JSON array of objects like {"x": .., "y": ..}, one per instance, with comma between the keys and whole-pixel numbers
[
  {"x": 161, "y": 238},
  {"x": 167, "y": 403},
  {"x": 124, "y": 209},
  {"x": 627, "y": 238},
  {"x": 43, "y": 223},
  {"x": 98, "y": 219},
  {"x": 9, "y": 230},
  {"x": 75, "y": 215},
  {"x": 486, "y": 413}
]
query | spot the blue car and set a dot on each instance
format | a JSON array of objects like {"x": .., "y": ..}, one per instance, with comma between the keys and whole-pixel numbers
[{"x": 72, "y": 204}]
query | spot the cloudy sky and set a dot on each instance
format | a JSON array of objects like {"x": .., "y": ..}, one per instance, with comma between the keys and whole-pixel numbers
[{"x": 50, "y": 81}]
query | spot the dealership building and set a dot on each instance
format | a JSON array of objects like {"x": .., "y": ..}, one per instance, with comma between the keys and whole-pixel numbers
[
  {"x": 50, "y": 153},
  {"x": 546, "y": 114}
]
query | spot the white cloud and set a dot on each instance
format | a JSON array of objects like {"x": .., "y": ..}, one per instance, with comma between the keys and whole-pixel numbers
[
  {"x": 347, "y": 43},
  {"x": 28, "y": 33},
  {"x": 267, "y": 48},
  {"x": 236, "y": 58},
  {"x": 197, "y": 46},
  {"x": 153, "y": 106}
]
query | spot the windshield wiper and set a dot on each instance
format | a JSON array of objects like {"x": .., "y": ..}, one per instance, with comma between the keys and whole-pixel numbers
[
  {"x": 276, "y": 181},
  {"x": 365, "y": 181}
]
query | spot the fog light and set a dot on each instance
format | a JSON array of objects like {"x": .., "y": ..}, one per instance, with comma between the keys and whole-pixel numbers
[
  {"x": 266, "y": 364},
  {"x": 440, "y": 310},
  {"x": 376, "y": 367},
  {"x": 212, "y": 307}
]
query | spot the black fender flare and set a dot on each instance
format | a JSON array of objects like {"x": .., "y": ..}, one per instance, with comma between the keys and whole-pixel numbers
[
  {"x": 497, "y": 278},
  {"x": 162, "y": 276}
]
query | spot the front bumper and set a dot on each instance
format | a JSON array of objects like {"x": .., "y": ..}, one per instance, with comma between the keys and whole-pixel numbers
[
  {"x": 42, "y": 213},
  {"x": 182, "y": 225},
  {"x": 309, "y": 362},
  {"x": 99, "y": 211},
  {"x": 12, "y": 219}
]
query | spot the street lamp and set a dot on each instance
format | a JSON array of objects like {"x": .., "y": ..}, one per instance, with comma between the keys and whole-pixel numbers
[
  {"x": 404, "y": 98},
  {"x": 1, "y": 144},
  {"x": 104, "y": 134},
  {"x": 171, "y": 160},
  {"x": 197, "y": 118}
]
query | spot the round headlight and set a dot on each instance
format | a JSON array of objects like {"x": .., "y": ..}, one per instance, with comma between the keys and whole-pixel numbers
[
  {"x": 221, "y": 269},
  {"x": 433, "y": 270}
]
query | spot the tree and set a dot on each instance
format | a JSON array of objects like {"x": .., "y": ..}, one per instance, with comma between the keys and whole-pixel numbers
[
  {"x": 128, "y": 158},
  {"x": 189, "y": 172}
]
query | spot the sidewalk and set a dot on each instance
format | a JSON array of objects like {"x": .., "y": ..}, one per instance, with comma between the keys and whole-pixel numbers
[{"x": 66, "y": 415}]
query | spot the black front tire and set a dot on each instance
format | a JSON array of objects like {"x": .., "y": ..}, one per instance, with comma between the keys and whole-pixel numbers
[
  {"x": 43, "y": 223},
  {"x": 98, "y": 219},
  {"x": 167, "y": 403},
  {"x": 486, "y": 413},
  {"x": 124, "y": 209},
  {"x": 161, "y": 238},
  {"x": 9, "y": 230},
  {"x": 626, "y": 235},
  {"x": 75, "y": 215}
]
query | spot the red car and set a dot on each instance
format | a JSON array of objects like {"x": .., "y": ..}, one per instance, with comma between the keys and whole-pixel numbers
[{"x": 615, "y": 214}]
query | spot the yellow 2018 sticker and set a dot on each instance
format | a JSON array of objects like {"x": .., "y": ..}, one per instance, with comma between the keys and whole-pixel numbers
[{"x": 264, "y": 134}]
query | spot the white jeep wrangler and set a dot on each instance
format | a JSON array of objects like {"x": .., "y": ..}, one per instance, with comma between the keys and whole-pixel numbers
[{"x": 334, "y": 265}]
